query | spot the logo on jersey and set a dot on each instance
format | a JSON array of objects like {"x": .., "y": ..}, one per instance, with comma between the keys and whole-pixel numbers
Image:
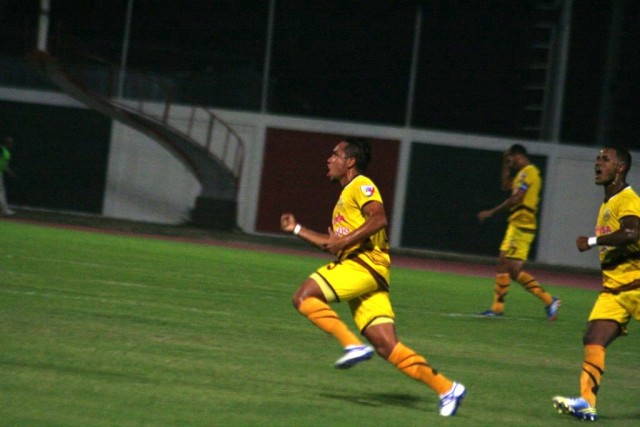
[
  {"x": 368, "y": 190},
  {"x": 522, "y": 184}
]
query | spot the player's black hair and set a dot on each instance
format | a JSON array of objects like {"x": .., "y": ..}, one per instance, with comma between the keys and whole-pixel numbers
[
  {"x": 360, "y": 150},
  {"x": 517, "y": 149},
  {"x": 622, "y": 154}
]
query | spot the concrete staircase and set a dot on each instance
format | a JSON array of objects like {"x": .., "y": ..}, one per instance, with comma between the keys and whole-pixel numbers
[{"x": 215, "y": 159}]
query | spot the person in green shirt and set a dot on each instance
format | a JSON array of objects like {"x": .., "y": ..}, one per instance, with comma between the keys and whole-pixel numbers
[{"x": 5, "y": 156}]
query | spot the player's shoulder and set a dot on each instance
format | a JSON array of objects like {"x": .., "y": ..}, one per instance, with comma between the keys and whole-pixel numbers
[
  {"x": 531, "y": 169},
  {"x": 362, "y": 185},
  {"x": 625, "y": 199},
  {"x": 629, "y": 194},
  {"x": 528, "y": 173}
]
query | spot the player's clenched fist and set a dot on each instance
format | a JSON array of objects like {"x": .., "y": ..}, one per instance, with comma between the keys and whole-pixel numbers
[
  {"x": 582, "y": 242},
  {"x": 287, "y": 222}
]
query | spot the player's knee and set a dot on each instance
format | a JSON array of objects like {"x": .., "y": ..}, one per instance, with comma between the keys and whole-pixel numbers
[
  {"x": 296, "y": 300},
  {"x": 386, "y": 351},
  {"x": 601, "y": 332}
]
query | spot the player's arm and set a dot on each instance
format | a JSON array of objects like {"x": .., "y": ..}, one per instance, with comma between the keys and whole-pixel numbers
[
  {"x": 375, "y": 220},
  {"x": 289, "y": 224},
  {"x": 516, "y": 198},
  {"x": 628, "y": 233},
  {"x": 506, "y": 180}
]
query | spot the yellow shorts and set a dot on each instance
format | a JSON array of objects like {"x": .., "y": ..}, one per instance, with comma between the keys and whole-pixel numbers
[
  {"x": 618, "y": 308},
  {"x": 365, "y": 289},
  {"x": 517, "y": 242}
]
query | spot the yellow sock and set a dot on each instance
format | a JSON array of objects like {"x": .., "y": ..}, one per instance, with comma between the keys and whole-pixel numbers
[
  {"x": 321, "y": 315},
  {"x": 530, "y": 284},
  {"x": 592, "y": 372},
  {"x": 415, "y": 366},
  {"x": 500, "y": 292}
]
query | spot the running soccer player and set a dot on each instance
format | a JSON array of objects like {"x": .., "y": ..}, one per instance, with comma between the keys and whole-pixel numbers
[
  {"x": 618, "y": 241},
  {"x": 522, "y": 204},
  {"x": 360, "y": 276}
]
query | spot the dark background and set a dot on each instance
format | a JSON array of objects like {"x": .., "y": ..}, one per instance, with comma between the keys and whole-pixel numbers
[
  {"x": 64, "y": 164},
  {"x": 350, "y": 60}
]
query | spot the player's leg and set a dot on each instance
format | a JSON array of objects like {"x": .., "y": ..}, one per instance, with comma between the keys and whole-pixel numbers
[
  {"x": 607, "y": 321},
  {"x": 500, "y": 290},
  {"x": 531, "y": 285},
  {"x": 310, "y": 300},
  {"x": 383, "y": 337},
  {"x": 374, "y": 316},
  {"x": 521, "y": 244},
  {"x": 4, "y": 206},
  {"x": 600, "y": 333},
  {"x": 503, "y": 281}
]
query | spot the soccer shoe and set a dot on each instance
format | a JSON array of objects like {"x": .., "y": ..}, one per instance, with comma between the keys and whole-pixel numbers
[
  {"x": 491, "y": 313},
  {"x": 450, "y": 401},
  {"x": 552, "y": 309},
  {"x": 354, "y": 354},
  {"x": 578, "y": 407}
]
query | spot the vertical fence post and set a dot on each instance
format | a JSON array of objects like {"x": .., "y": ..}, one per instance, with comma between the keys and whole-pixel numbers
[
  {"x": 125, "y": 48},
  {"x": 167, "y": 105},
  {"x": 191, "y": 118},
  {"x": 207, "y": 144}
]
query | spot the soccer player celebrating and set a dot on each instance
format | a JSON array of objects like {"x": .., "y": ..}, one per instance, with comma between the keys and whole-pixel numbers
[
  {"x": 360, "y": 276},
  {"x": 618, "y": 240},
  {"x": 522, "y": 204}
]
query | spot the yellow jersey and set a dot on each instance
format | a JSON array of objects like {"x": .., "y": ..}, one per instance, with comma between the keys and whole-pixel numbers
[
  {"x": 348, "y": 216},
  {"x": 620, "y": 264},
  {"x": 524, "y": 215}
]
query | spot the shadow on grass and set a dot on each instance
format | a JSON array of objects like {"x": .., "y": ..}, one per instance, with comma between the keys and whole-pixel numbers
[
  {"x": 631, "y": 416},
  {"x": 381, "y": 399}
]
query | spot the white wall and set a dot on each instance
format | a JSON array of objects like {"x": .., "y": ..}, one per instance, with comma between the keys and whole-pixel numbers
[{"x": 145, "y": 182}]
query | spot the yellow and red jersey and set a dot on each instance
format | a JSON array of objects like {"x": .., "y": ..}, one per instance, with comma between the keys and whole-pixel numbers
[
  {"x": 523, "y": 216},
  {"x": 348, "y": 216},
  {"x": 620, "y": 264}
]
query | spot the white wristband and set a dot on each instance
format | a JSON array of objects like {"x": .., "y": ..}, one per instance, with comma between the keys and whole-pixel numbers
[
  {"x": 592, "y": 241},
  {"x": 296, "y": 229}
]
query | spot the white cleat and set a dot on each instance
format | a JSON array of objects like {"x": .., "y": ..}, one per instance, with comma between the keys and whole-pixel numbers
[
  {"x": 577, "y": 407},
  {"x": 450, "y": 401},
  {"x": 354, "y": 354}
]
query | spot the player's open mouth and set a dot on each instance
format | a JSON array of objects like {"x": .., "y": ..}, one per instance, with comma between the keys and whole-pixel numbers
[{"x": 598, "y": 172}]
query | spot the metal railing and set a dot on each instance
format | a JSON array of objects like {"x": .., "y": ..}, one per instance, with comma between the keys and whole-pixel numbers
[{"x": 152, "y": 96}]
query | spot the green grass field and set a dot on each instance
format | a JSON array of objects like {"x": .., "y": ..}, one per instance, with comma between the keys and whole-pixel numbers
[{"x": 106, "y": 330}]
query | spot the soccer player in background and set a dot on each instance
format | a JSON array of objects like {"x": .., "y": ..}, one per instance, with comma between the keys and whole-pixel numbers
[
  {"x": 522, "y": 205},
  {"x": 360, "y": 276},
  {"x": 5, "y": 157},
  {"x": 618, "y": 241}
]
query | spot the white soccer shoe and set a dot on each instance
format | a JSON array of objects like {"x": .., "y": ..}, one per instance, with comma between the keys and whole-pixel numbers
[
  {"x": 450, "y": 401},
  {"x": 578, "y": 407},
  {"x": 354, "y": 354}
]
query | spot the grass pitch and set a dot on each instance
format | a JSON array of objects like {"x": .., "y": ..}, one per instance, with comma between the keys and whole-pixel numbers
[{"x": 103, "y": 330}]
